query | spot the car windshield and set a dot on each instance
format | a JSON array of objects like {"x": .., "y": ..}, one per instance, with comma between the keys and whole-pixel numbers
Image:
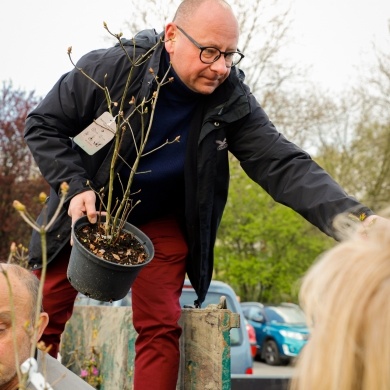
[
  {"x": 288, "y": 315},
  {"x": 188, "y": 297}
]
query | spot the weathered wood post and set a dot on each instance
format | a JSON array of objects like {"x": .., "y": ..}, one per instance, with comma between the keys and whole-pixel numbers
[
  {"x": 205, "y": 349},
  {"x": 205, "y": 345}
]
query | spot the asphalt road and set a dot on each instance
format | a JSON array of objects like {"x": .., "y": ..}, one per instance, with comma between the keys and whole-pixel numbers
[{"x": 264, "y": 377}]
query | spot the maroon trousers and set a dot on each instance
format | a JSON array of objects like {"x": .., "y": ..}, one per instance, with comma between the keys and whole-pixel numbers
[{"x": 155, "y": 304}]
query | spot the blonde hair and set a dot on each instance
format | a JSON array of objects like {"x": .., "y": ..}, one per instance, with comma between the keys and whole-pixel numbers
[{"x": 346, "y": 297}]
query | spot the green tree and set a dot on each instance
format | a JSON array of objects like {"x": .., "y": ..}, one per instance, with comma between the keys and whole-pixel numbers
[{"x": 263, "y": 248}]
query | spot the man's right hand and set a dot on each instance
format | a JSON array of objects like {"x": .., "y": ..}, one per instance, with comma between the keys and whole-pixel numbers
[{"x": 83, "y": 204}]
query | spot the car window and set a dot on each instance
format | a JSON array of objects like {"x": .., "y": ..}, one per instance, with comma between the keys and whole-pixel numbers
[
  {"x": 289, "y": 315},
  {"x": 256, "y": 312},
  {"x": 273, "y": 315},
  {"x": 188, "y": 297}
]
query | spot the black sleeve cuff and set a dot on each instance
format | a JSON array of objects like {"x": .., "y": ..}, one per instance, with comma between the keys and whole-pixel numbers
[{"x": 360, "y": 212}]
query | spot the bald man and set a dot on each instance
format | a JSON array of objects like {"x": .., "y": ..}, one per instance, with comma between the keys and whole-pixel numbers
[{"x": 24, "y": 287}]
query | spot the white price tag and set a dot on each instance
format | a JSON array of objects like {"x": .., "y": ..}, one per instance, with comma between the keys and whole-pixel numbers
[{"x": 97, "y": 134}]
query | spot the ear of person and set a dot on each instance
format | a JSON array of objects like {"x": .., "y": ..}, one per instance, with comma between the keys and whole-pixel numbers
[{"x": 43, "y": 322}]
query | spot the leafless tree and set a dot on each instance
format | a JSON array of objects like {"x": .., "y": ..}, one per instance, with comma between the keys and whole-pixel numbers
[
  {"x": 357, "y": 152},
  {"x": 19, "y": 178}
]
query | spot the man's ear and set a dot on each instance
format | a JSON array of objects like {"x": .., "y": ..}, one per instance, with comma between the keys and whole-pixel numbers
[
  {"x": 42, "y": 323},
  {"x": 170, "y": 34}
]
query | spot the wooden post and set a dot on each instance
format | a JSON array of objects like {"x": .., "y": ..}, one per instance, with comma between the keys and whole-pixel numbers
[
  {"x": 205, "y": 346},
  {"x": 205, "y": 363}
]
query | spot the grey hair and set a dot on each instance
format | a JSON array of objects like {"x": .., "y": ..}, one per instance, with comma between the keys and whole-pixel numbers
[{"x": 29, "y": 280}]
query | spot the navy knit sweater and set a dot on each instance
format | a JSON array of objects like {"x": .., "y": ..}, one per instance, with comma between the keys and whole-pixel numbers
[{"x": 160, "y": 174}]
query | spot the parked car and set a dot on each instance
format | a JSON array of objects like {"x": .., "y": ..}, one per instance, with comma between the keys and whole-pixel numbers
[
  {"x": 252, "y": 337},
  {"x": 242, "y": 340},
  {"x": 281, "y": 330}
]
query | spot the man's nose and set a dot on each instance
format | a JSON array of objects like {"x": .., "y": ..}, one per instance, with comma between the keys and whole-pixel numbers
[{"x": 219, "y": 66}]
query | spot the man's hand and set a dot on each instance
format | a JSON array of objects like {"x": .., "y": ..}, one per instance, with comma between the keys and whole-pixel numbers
[
  {"x": 370, "y": 220},
  {"x": 378, "y": 221},
  {"x": 83, "y": 204}
]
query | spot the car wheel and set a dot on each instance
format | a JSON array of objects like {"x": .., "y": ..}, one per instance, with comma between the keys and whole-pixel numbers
[{"x": 271, "y": 353}]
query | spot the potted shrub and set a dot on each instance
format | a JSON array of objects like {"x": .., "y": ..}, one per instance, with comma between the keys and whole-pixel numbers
[{"x": 107, "y": 256}]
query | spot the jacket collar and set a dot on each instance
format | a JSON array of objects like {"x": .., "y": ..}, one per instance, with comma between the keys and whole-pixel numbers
[{"x": 229, "y": 102}]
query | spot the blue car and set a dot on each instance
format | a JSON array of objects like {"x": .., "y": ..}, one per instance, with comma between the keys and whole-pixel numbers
[{"x": 281, "y": 330}]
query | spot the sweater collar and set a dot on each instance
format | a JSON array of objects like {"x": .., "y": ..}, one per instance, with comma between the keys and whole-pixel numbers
[{"x": 176, "y": 87}]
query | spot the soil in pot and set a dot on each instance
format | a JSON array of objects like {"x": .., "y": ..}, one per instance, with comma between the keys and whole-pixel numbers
[
  {"x": 106, "y": 272},
  {"x": 127, "y": 250}
]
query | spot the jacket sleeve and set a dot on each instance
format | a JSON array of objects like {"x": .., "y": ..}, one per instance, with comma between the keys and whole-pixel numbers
[{"x": 288, "y": 173}]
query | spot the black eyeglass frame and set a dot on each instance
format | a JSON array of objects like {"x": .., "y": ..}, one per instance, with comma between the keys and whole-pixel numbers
[{"x": 217, "y": 57}]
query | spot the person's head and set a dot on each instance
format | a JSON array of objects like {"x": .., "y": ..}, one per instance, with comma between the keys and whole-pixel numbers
[
  {"x": 205, "y": 23},
  {"x": 346, "y": 299},
  {"x": 24, "y": 285}
]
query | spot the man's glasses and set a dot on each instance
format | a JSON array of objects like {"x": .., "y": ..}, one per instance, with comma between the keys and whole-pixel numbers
[{"x": 208, "y": 54}]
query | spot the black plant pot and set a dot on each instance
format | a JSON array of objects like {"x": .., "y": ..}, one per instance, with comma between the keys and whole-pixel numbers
[{"x": 101, "y": 279}]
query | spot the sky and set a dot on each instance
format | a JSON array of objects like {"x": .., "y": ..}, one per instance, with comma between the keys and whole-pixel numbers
[{"x": 333, "y": 37}]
